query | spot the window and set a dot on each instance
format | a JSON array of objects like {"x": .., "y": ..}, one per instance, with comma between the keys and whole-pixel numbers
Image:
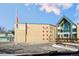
[
  {"x": 58, "y": 36},
  {"x": 61, "y": 36},
  {"x": 74, "y": 35},
  {"x": 43, "y": 39},
  {"x": 46, "y": 27},
  {"x": 43, "y": 31},
  {"x": 47, "y": 34},
  {"x": 43, "y": 35},
  {"x": 47, "y": 38},
  {"x": 74, "y": 30},
  {"x": 46, "y": 31},
  {"x": 65, "y": 35},
  {"x": 59, "y": 30}
]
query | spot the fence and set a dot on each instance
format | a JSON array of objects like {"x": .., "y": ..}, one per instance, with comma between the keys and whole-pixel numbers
[
  {"x": 6, "y": 39},
  {"x": 67, "y": 40}
]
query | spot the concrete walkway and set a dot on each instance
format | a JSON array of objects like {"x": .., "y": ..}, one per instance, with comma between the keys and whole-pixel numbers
[{"x": 69, "y": 47}]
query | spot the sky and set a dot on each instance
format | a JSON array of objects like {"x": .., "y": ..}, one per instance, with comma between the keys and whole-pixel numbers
[{"x": 47, "y": 13}]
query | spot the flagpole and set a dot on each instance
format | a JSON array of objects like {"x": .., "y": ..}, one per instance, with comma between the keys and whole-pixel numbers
[{"x": 17, "y": 20}]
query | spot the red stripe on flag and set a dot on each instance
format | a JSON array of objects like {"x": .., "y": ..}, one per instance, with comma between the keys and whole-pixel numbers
[{"x": 17, "y": 22}]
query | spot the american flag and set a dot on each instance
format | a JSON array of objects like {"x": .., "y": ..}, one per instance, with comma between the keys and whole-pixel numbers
[
  {"x": 17, "y": 22},
  {"x": 17, "y": 19}
]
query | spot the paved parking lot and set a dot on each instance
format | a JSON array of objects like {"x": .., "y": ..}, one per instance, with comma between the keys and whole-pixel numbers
[{"x": 11, "y": 48}]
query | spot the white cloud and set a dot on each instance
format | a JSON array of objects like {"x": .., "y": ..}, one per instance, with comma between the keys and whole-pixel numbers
[
  {"x": 56, "y": 8},
  {"x": 65, "y": 5},
  {"x": 50, "y": 8}
]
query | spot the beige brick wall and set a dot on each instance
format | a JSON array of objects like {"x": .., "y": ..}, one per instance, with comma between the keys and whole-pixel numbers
[
  {"x": 78, "y": 32},
  {"x": 35, "y": 33},
  {"x": 20, "y": 33},
  {"x": 53, "y": 34}
]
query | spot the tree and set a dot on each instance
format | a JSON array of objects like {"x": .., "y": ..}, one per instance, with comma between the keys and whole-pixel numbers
[
  {"x": 11, "y": 31},
  {"x": 2, "y": 30}
]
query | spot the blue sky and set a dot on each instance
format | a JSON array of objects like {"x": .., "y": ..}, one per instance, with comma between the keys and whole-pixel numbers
[{"x": 37, "y": 13}]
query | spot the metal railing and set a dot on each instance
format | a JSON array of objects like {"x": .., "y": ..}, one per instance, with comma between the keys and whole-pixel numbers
[
  {"x": 67, "y": 40},
  {"x": 6, "y": 39}
]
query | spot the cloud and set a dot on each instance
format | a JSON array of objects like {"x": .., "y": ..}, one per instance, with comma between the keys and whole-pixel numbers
[
  {"x": 56, "y": 8},
  {"x": 50, "y": 8},
  {"x": 65, "y": 5}
]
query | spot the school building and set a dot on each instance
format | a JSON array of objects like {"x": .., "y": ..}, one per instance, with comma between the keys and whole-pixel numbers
[
  {"x": 35, "y": 33},
  {"x": 67, "y": 31},
  {"x": 64, "y": 31}
]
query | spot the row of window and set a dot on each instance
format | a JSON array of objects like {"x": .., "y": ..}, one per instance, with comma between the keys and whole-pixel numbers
[
  {"x": 45, "y": 38},
  {"x": 66, "y": 35},
  {"x": 63, "y": 30},
  {"x": 47, "y": 31},
  {"x": 66, "y": 30},
  {"x": 44, "y": 35},
  {"x": 44, "y": 31},
  {"x": 45, "y": 27}
]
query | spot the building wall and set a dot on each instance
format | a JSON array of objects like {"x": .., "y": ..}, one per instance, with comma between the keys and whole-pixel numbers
[
  {"x": 35, "y": 33},
  {"x": 53, "y": 34},
  {"x": 20, "y": 33},
  {"x": 78, "y": 31}
]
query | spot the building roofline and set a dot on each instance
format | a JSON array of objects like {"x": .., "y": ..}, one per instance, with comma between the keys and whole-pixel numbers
[
  {"x": 66, "y": 19},
  {"x": 39, "y": 23}
]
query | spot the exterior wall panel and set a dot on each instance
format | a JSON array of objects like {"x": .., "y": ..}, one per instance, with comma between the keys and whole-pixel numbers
[
  {"x": 20, "y": 33},
  {"x": 78, "y": 32},
  {"x": 35, "y": 33}
]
